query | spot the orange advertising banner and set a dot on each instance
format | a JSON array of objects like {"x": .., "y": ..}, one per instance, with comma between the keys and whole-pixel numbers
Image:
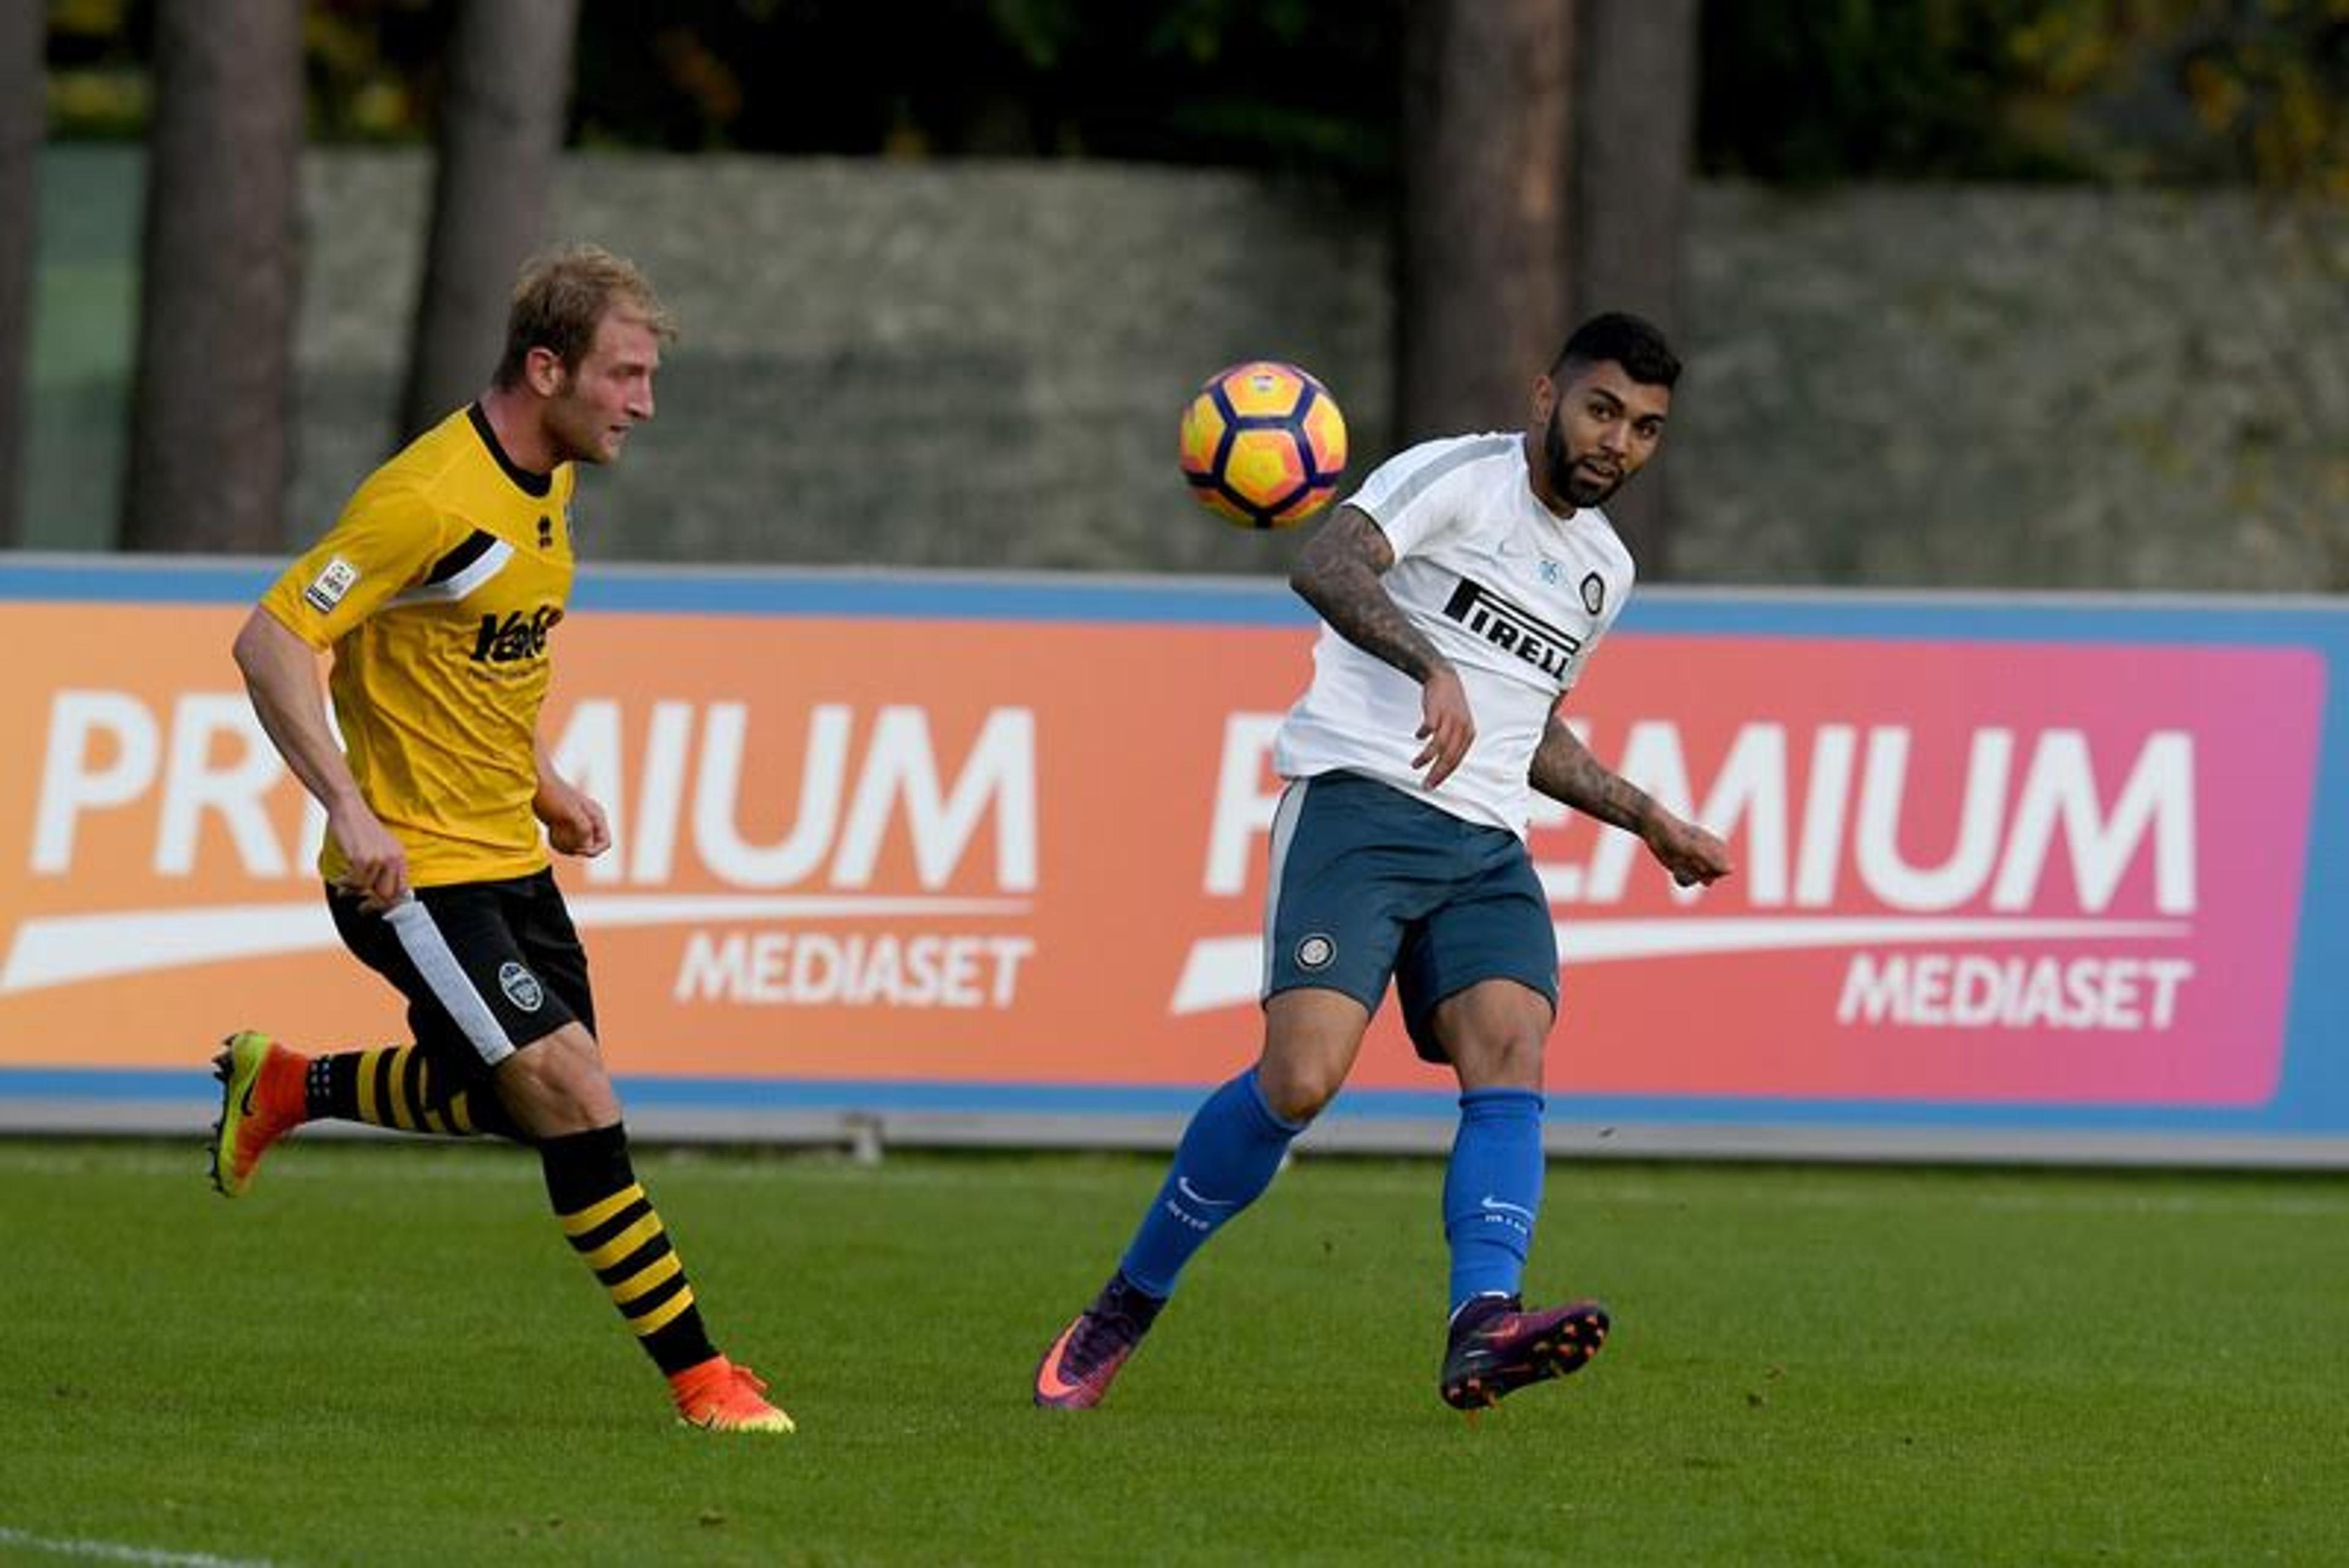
[
  {"x": 1000, "y": 843},
  {"x": 843, "y": 847}
]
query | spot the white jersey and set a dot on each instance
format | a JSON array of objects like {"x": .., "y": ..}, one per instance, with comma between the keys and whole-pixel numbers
[{"x": 1513, "y": 595}]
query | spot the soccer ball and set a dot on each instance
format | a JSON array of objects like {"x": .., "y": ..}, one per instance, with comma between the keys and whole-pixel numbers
[{"x": 1263, "y": 444}]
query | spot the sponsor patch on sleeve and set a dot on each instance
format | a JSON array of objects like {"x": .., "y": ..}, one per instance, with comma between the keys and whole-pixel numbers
[{"x": 327, "y": 588}]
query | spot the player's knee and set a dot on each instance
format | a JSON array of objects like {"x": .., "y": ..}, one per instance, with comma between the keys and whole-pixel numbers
[
  {"x": 592, "y": 1104},
  {"x": 1298, "y": 1090},
  {"x": 558, "y": 1085},
  {"x": 1511, "y": 1059}
]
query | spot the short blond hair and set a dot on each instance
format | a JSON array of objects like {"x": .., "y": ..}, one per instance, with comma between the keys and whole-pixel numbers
[{"x": 563, "y": 294}]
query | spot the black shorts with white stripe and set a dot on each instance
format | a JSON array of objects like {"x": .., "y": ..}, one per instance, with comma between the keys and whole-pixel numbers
[{"x": 486, "y": 966}]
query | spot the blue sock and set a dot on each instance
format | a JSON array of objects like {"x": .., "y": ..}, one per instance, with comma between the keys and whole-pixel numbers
[
  {"x": 1492, "y": 1191},
  {"x": 1227, "y": 1157}
]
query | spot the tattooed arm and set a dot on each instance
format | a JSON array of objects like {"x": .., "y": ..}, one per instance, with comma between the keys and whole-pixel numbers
[
  {"x": 1563, "y": 770},
  {"x": 1338, "y": 574}
]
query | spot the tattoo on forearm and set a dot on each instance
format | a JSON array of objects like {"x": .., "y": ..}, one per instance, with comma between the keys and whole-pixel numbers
[
  {"x": 1353, "y": 603},
  {"x": 1338, "y": 574},
  {"x": 1565, "y": 769}
]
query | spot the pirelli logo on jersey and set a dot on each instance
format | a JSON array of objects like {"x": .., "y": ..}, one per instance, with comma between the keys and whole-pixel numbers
[{"x": 1514, "y": 630}]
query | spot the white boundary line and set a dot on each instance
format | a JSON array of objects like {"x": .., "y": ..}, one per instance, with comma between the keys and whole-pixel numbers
[{"x": 116, "y": 1552}]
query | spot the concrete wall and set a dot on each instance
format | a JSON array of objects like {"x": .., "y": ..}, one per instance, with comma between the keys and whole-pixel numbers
[
  {"x": 981, "y": 366},
  {"x": 912, "y": 365},
  {"x": 2067, "y": 389}
]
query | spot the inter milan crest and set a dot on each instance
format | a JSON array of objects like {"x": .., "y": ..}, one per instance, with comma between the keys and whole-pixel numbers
[{"x": 1594, "y": 593}]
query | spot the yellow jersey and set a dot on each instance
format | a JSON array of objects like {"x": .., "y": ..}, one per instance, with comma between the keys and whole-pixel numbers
[{"x": 436, "y": 589}]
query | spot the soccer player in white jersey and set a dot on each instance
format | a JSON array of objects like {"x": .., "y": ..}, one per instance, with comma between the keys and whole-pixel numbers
[{"x": 1462, "y": 590}]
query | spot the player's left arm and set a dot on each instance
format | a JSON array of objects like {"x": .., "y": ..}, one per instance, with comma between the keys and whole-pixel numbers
[
  {"x": 575, "y": 823},
  {"x": 1563, "y": 770}
]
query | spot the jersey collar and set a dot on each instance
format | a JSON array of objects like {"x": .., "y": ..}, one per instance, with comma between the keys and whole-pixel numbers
[{"x": 536, "y": 485}]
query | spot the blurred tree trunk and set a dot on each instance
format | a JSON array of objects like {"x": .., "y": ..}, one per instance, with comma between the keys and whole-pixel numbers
[
  {"x": 1635, "y": 129},
  {"x": 1486, "y": 253},
  {"x": 505, "y": 85},
  {"x": 210, "y": 398},
  {"x": 24, "y": 121}
]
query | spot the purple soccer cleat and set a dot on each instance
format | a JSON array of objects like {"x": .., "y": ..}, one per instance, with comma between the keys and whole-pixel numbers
[
  {"x": 1077, "y": 1371},
  {"x": 1497, "y": 1347}
]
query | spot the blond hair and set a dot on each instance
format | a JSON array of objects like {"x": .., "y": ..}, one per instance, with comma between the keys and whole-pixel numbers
[{"x": 562, "y": 296}]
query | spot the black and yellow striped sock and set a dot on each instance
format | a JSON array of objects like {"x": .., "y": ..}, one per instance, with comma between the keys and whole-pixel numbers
[
  {"x": 614, "y": 1226},
  {"x": 397, "y": 1087}
]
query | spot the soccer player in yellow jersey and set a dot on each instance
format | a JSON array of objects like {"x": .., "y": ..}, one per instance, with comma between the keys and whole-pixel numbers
[{"x": 437, "y": 592}]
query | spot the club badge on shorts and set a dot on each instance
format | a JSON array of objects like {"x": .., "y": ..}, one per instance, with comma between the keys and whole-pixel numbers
[
  {"x": 1316, "y": 951},
  {"x": 520, "y": 986}
]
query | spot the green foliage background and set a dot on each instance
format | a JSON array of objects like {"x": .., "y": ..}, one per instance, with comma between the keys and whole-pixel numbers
[{"x": 2168, "y": 91}]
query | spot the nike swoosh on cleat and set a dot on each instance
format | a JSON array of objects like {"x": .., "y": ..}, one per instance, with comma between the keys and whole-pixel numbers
[
  {"x": 245, "y": 1104},
  {"x": 1048, "y": 1377}
]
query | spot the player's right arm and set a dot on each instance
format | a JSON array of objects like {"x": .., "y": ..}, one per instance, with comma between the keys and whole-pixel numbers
[
  {"x": 386, "y": 538},
  {"x": 281, "y": 676},
  {"x": 1338, "y": 574}
]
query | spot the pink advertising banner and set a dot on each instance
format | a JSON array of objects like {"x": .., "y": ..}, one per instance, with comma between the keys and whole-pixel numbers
[{"x": 937, "y": 840}]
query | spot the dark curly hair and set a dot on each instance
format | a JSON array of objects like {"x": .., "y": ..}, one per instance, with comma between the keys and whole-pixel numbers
[{"x": 1629, "y": 341}]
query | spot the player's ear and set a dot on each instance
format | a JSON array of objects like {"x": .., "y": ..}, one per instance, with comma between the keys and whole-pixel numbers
[
  {"x": 1545, "y": 400},
  {"x": 543, "y": 368}
]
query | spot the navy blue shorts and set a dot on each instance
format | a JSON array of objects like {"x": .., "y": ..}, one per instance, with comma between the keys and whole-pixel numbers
[{"x": 1369, "y": 885}]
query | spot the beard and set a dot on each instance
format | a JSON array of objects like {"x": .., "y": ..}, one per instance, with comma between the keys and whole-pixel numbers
[
  {"x": 579, "y": 436},
  {"x": 1566, "y": 477}
]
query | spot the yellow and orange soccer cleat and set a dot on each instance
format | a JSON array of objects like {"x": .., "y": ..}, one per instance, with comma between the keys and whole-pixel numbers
[
  {"x": 719, "y": 1397},
  {"x": 261, "y": 1101}
]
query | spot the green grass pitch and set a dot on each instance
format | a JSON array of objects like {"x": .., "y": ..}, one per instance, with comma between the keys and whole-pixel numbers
[{"x": 386, "y": 1356}]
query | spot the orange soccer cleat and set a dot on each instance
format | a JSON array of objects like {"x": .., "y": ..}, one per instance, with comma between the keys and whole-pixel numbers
[
  {"x": 720, "y": 1396},
  {"x": 261, "y": 1100}
]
